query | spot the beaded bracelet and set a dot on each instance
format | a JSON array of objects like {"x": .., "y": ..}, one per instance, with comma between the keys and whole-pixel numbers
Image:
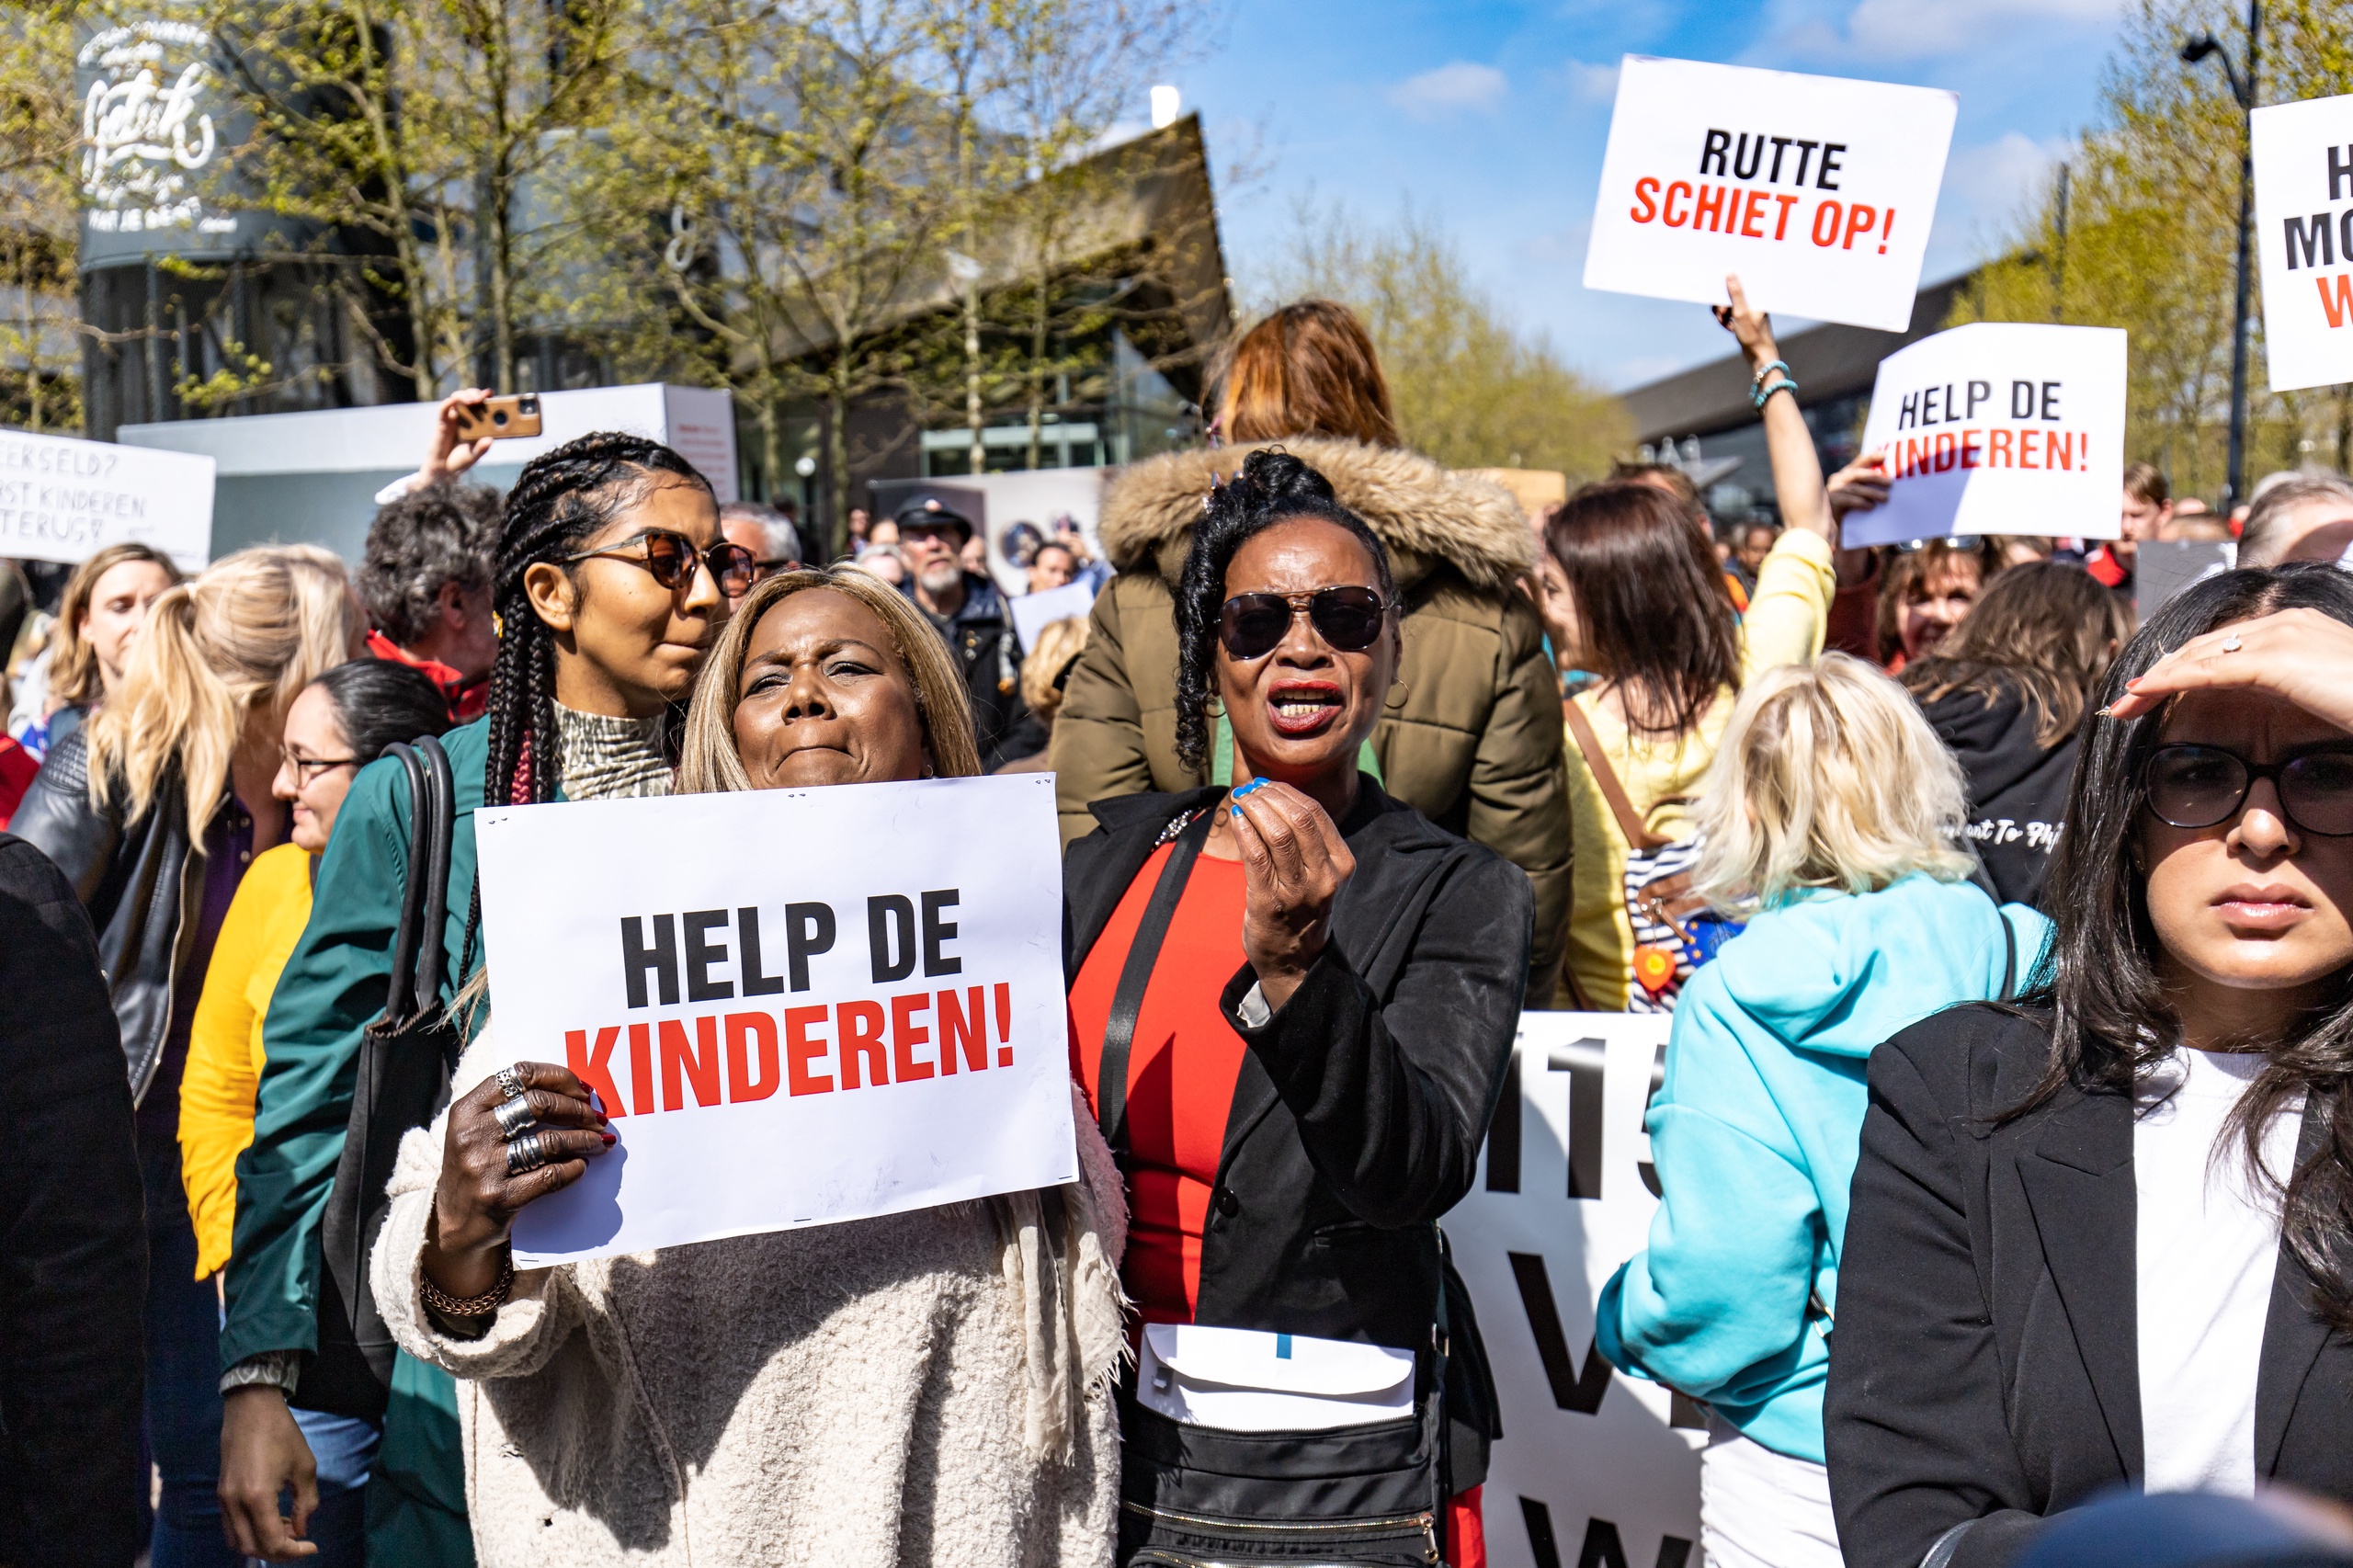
[
  {"x": 480, "y": 1306},
  {"x": 1767, "y": 368},
  {"x": 1763, "y": 395}
]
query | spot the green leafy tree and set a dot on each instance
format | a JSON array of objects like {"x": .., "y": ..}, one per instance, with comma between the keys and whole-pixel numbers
[{"x": 40, "y": 138}]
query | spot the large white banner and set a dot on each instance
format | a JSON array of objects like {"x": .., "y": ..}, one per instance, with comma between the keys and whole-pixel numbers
[
  {"x": 2303, "y": 228},
  {"x": 63, "y": 499},
  {"x": 799, "y": 1005},
  {"x": 1819, "y": 191},
  {"x": 1999, "y": 428},
  {"x": 1594, "y": 1468}
]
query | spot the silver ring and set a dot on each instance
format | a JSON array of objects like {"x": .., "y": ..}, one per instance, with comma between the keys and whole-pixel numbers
[
  {"x": 2232, "y": 644},
  {"x": 511, "y": 1082},
  {"x": 528, "y": 1152},
  {"x": 514, "y": 1118}
]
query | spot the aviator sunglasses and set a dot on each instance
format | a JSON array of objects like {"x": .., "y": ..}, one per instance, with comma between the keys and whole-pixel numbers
[
  {"x": 2196, "y": 786},
  {"x": 672, "y": 559},
  {"x": 1349, "y": 619}
]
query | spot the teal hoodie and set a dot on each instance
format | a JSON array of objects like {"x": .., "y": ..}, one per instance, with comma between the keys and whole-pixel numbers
[{"x": 1753, "y": 1135}]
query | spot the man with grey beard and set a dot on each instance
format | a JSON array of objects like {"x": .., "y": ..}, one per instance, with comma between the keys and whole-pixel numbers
[{"x": 970, "y": 614}]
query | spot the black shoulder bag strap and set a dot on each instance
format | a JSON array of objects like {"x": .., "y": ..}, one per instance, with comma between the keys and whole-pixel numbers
[{"x": 1126, "y": 1002}]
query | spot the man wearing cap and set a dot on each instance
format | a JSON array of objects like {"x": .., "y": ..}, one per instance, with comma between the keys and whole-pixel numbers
[{"x": 970, "y": 614}]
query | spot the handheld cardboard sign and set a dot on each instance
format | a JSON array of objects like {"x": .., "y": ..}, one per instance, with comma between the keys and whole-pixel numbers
[
  {"x": 63, "y": 499},
  {"x": 2303, "y": 229},
  {"x": 1817, "y": 190},
  {"x": 1998, "y": 427},
  {"x": 799, "y": 1005}
]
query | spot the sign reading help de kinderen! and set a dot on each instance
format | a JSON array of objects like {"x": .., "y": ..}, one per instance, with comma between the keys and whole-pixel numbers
[
  {"x": 2303, "y": 225},
  {"x": 62, "y": 499},
  {"x": 1998, "y": 427},
  {"x": 1817, "y": 190},
  {"x": 798, "y": 1007}
]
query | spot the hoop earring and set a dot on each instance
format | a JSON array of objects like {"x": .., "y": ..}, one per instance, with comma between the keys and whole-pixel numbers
[
  {"x": 1399, "y": 705},
  {"x": 1214, "y": 708}
]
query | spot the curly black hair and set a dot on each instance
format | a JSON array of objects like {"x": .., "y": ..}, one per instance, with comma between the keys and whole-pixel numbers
[
  {"x": 561, "y": 499},
  {"x": 434, "y": 535},
  {"x": 1272, "y": 487}
]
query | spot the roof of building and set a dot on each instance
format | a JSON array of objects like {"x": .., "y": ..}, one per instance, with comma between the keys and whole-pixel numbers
[{"x": 1830, "y": 360}]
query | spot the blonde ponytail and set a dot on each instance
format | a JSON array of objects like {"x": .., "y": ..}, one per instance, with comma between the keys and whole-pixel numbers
[{"x": 248, "y": 633}]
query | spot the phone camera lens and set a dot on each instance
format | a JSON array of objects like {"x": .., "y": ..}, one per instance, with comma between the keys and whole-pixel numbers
[{"x": 499, "y": 418}]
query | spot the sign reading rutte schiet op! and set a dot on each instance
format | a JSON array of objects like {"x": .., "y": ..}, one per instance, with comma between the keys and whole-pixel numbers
[
  {"x": 63, "y": 499},
  {"x": 157, "y": 123}
]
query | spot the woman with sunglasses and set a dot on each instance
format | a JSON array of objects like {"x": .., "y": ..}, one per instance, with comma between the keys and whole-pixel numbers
[
  {"x": 612, "y": 581},
  {"x": 1291, "y": 1004},
  {"x": 2105, "y": 1237},
  {"x": 345, "y": 716}
]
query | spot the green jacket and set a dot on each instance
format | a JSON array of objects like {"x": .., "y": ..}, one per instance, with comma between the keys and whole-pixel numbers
[{"x": 330, "y": 991}]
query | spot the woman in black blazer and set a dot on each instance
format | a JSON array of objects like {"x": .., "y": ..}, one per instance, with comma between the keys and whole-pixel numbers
[{"x": 2106, "y": 1237}]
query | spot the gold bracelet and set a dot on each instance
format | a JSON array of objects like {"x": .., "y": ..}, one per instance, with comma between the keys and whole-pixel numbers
[{"x": 480, "y": 1306}]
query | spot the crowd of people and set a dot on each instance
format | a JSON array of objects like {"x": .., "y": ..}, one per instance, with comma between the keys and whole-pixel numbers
[{"x": 2000, "y": 1143}]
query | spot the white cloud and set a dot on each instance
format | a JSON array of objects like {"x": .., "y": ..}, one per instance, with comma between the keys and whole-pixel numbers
[
  {"x": 1459, "y": 84},
  {"x": 1591, "y": 83},
  {"x": 1917, "y": 29}
]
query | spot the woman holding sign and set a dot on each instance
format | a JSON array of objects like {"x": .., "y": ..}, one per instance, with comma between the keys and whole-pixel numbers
[
  {"x": 931, "y": 1386},
  {"x": 2104, "y": 1238},
  {"x": 1291, "y": 1007}
]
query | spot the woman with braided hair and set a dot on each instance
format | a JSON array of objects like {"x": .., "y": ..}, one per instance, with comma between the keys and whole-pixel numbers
[{"x": 611, "y": 583}]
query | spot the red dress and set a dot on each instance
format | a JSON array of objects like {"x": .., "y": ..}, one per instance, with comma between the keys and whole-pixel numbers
[{"x": 1182, "y": 1067}]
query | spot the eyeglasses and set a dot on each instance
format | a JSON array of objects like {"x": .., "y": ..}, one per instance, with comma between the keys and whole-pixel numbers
[
  {"x": 672, "y": 559},
  {"x": 1253, "y": 625},
  {"x": 2195, "y": 785},
  {"x": 307, "y": 769}
]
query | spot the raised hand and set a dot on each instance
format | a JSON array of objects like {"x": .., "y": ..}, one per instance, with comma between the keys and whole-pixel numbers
[{"x": 1294, "y": 864}]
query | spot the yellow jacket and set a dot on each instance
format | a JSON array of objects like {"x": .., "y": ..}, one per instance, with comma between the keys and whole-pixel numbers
[
  {"x": 225, "y": 1054},
  {"x": 1784, "y": 626}
]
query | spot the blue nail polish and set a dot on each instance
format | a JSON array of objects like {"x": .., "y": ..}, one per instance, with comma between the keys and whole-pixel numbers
[{"x": 1237, "y": 811}]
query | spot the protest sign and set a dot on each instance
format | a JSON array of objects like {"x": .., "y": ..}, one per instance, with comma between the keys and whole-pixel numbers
[
  {"x": 1594, "y": 1467},
  {"x": 1817, "y": 190},
  {"x": 63, "y": 499},
  {"x": 799, "y": 1006},
  {"x": 2304, "y": 227},
  {"x": 1032, "y": 613},
  {"x": 1998, "y": 427}
]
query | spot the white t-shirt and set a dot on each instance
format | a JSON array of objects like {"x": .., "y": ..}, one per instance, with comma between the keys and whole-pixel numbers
[{"x": 2208, "y": 1239}]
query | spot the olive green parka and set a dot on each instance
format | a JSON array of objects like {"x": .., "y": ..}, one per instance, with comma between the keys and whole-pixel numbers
[{"x": 1474, "y": 739}]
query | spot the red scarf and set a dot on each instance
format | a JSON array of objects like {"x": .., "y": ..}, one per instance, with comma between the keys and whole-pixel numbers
[{"x": 465, "y": 697}]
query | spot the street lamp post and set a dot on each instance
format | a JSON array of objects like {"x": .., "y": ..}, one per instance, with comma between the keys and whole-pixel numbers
[{"x": 2243, "y": 89}]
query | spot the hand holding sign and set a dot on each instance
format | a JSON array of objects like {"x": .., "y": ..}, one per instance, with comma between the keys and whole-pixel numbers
[{"x": 482, "y": 1188}]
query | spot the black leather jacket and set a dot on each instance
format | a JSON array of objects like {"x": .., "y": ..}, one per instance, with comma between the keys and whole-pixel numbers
[
  {"x": 1361, "y": 1104},
  {"x": 134, "y": 880}
]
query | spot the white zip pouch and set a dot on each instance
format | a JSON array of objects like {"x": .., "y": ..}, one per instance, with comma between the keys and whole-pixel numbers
[{"x": 1245, "y": 1380}]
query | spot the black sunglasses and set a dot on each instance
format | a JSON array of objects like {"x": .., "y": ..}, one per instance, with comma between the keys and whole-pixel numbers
[
  {"x": 2195, "y": 785},
  {"x": 673, "y": 560},
  {"x": 1253, "y": 625}
]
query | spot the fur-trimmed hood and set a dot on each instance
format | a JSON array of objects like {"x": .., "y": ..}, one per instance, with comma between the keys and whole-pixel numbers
[{"x": 1423, "y": 513}]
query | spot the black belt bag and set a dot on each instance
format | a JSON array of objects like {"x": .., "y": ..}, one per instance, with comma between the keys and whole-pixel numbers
[{"x": 1196, "y": 1496}]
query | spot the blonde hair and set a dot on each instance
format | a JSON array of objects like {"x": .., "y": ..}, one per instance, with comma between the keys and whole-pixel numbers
[
  {"x": 1827, "y": 778},
  {"x": 73, "y": 672},
  {"x": 710, "y": 761},
  {"x": 247, "y": 633},
  {"x": 1060, "y": 643}
]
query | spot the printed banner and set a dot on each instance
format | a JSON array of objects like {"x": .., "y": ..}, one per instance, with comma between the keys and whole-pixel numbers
[
  {"x": 798, "y": 1007},
  {"x": 1594, "y": 1467},
  {"x": 1998, "y": 427},
  {"x": 2303, "y": 230},
  {"x": 1818, "y": 191},
  {"x": 63, "y": 499}
]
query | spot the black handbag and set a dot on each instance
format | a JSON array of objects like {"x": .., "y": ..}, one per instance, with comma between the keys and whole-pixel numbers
[
  {"x": 403, "y": 1081},
  {"x": 1373, "y": 1495}
]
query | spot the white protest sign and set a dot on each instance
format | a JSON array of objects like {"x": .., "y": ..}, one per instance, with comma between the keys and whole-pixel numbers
[
  {"x": 1032, "y": 613},
  {"x": 2303, "y": 229},
  {"x": 63, "y": 499},
  {"x": 799, "y": 1005},
  {"x": 1818, "y": 191},
  {"x": 1998, "y": 427},
  {"x": 1594, "y": 1467}
]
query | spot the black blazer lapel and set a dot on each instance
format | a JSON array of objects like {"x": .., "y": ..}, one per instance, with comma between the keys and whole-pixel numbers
[
  {"x": 2293, "y": 1333},
  {"x": 2078, "y": 1181}
]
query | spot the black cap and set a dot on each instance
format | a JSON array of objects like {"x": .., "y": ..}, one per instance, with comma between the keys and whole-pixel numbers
[{"x": 931, "y": 512}]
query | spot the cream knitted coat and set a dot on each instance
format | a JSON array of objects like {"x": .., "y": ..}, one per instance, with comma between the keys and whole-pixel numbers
[{"x": 924, "y": 1388}]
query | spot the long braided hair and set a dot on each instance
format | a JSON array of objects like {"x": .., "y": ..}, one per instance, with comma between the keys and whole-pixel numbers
[{"x": 561, "y": 500}]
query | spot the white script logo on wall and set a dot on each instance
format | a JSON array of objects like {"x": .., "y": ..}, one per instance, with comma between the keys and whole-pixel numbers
[{"x": 148, "y": 128}]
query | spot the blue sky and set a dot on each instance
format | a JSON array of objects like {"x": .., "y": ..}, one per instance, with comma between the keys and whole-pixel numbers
[{"x": 1489, "y": 117}]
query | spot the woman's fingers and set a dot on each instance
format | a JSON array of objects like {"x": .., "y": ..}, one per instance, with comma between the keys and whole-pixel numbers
[
  {"x": 2299, "y": 656},
  {"x": 1264, "y": 813}
]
